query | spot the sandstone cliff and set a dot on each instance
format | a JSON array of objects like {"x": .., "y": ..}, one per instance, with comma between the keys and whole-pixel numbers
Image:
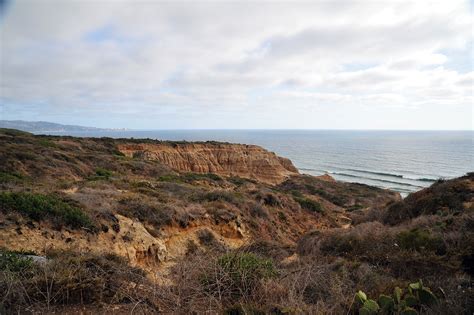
[{"x": 246, "y": 161}]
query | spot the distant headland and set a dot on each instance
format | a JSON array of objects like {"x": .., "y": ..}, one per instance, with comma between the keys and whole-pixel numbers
[{"x": 44, "y": 126}]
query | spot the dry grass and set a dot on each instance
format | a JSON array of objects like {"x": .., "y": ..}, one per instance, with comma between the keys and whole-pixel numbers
[{"x": 70, "y": 279}]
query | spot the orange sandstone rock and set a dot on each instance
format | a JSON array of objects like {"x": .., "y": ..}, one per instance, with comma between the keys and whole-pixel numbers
[{"x": 246, "y": 161}]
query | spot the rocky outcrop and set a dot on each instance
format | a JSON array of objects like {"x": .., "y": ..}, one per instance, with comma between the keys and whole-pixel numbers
[
  {"x": 326, "y": 178},
  {"x": 247, "y": 161},
  {"x": 131, "y": 241}
]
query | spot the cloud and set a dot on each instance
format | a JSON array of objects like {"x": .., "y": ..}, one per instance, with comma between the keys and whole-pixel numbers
[{"x": 247, "y": 60}]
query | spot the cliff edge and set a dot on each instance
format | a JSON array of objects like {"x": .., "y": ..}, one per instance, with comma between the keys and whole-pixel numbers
[{"x": 246, "y": 161}]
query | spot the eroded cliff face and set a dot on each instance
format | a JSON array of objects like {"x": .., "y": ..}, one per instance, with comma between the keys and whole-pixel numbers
[
  {"x": 246, "y": 161},
  {"x": 131, "y": 240}
]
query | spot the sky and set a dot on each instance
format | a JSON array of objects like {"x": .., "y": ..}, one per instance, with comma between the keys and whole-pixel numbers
[{"x": 239, "y": 65}]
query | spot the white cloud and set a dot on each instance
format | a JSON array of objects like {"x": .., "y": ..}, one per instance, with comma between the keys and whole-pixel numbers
[{"x": 250, "y": 60}]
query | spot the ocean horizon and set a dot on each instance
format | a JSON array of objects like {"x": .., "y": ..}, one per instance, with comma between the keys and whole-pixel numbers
[{"x": 403, "y": 161}]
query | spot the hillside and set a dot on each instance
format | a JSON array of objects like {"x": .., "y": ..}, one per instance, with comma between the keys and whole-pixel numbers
[
  {"x": 179, "y": 227},
  {"x": 42, "y": 126}
]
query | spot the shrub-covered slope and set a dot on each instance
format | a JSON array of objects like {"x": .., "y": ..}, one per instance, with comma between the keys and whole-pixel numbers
[{"x": 203, "y": 242}]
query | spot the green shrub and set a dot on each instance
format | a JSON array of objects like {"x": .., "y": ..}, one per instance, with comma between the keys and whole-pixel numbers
[
  {"x": 297, "y": 194},
  {"x": 14, "y": 262},
  {"x": 189, "y": 177},
  {"x": 6, "y": 177},
  {"x": 241, "y": 265},
  {"x": 39, "y": 207},
  {"x": 102, "y": 173},
  {"x": 198, "y": 176},
  {"x": 46, "y": 143},
  {"x": 335, "y": 199},
  {"x": 418, "y": 239},
  {"x": 238, "y": 181},
  {"x": 119, "y": 155},
  {"x": 355, "y": 207},
  {"x": 238, "y": 274},
  {"x": 169, "y": 178},
  {"x": 309, "y": 204},
  {"x": 217, "y": 195}
]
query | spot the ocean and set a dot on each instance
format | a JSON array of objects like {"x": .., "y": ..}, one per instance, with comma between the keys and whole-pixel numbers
[{"x": 404, "y": 161}]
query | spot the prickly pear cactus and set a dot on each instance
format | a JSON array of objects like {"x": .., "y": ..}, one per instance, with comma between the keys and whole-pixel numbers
[
  {"x": 370, "y": 307},
  {"x": 427, "y": 297},
  {"x": 409, "y": 311},
  {"x": 401, "y": 303}
]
